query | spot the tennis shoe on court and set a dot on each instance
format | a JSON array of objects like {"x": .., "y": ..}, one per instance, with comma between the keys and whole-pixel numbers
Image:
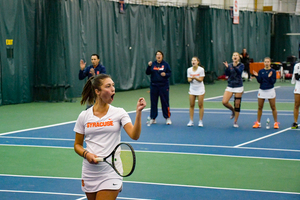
[
  {"x": 294, "y": 126},
  {"x": 200, "y": 124},
  {"x": 191, "y": 123},
  {"x": 152, "y": 121},
  {"x": 235, "y": 125},
  {"x": 168, "y": 121},
  {"x": 256, "y": 125},
  {"x": 276, "y": 125}
]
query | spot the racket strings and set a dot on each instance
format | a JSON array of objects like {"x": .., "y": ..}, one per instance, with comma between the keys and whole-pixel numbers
[{"x": 124, "y": 160}]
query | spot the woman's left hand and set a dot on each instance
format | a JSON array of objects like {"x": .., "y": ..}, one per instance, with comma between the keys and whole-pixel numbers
[{"x": 141, "y": 104}]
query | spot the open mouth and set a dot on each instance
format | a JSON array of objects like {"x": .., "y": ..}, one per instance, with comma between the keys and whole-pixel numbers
[{"x": 112, "y": 97}]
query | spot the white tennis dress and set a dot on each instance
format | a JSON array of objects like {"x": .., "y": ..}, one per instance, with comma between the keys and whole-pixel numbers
[
  {"x": 196, "y": 87},
  {"x": 101, "y": 137},
  {"x": 294, "y": 81}
]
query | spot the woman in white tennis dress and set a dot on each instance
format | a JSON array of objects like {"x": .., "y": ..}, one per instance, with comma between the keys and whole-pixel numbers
[
  {"x": 296, "y": 81},
  {"x": 100, "y": 128},
  {"x": 195, "y": 76}
]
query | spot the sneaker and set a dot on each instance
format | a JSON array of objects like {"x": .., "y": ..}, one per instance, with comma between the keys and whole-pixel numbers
[
  {"x": 235, "y": 125},
  {"x": 168, "y": 121},
  {"x": 152, "y": 121},
  {"x": 294, "y": 126},
  {"x": 191, "y": 123},
  {"x": 256, "y": 125},
  {"x": 232, "y": 115},
  {"x": 200, "y": 123},
  {"x": 276, "y": 125}
]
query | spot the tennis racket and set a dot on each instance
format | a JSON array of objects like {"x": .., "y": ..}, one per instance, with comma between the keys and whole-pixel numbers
[{"x": 121, "y": 159}]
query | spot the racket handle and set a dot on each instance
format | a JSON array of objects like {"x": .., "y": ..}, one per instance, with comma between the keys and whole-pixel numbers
[{"x": 99, "y": 159}]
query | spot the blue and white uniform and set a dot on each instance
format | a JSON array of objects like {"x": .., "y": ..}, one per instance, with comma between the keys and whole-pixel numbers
[
  {"x": 102, "y": 135},
  {"x": 266, "y": 88},
  {"x": 235, "y": 81}
]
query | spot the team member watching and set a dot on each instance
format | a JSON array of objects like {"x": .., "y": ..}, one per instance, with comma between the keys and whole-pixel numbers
[
  {"x": 99, "y": 180},
  {"x": 296, "y": 81},
  {"x": 266, "y": 78},
  {"x": 195, "y": 76},
  {"x": 91, "y": 70},
  {"x": 160, "y": 72},
  {"x": 235, "y": 86}
]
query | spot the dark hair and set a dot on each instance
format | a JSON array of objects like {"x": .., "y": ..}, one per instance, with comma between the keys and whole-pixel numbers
[
  {"x": 88, "y": 93},
  {"x": 159, "y": 52},
  {"x": 96, "y": 55}
]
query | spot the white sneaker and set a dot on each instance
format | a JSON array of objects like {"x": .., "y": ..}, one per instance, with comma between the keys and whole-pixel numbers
[
  {"x": 191, "y": 123},
  {"x": 168, "y": 121},
  {"x": 200, "y": 123},
  {"x": 152, "y": 121},
  {"x": 235, "y": 125}
]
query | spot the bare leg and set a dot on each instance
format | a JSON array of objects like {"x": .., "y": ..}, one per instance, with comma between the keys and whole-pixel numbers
[
  {"x": 225, "y": 101},
  {"x": 260, "y": 108},
  {"x": 237, "y": 104},
  {"x": 296, "y": 107},
  {"x": 107, "y": 194},
  {"x": 273, "y": 107},
  {"x": 192, "y": 105},
  {"x": 200, "y": 104}
]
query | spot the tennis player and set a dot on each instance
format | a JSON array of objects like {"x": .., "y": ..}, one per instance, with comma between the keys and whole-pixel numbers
[
  {"x": 195, "y": 76},
  {"x": 100, "y": 127},
  {"x": 266, "y": 77},
  {"x": 235, "y": 86},
  {"x": 296, "y": 81}
]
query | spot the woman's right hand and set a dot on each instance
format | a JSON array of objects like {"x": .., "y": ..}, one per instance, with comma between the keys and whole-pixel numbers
[
  {"x": 150, "y": 63},
  {"x": 226, "y": 64}
]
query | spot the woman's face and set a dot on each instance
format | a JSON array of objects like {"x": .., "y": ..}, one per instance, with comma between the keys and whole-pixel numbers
[
  {"x": 267, "y": 62},
  {"x": 195, "y": 62},
  {"x": 107, "y": 92},
  {"x": 159, "y": 57},
  {"x": 235, "y": 57}
]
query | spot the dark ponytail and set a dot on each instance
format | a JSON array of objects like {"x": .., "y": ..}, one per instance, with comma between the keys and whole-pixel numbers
[{"x": 88, "y": 93}]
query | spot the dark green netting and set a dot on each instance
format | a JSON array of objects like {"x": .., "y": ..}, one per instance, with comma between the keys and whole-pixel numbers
[{"x": 51, "y": 36}]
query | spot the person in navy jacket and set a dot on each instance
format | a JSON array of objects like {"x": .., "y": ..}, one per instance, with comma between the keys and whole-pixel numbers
[
  {"x": 267, "y": 78},
  {"x": 91, "y": 70},
  {"x": 160, "y": 72},
  {"x": 235, "y": 86}
]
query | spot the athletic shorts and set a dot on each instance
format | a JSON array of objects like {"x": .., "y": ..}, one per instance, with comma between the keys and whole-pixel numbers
[
  {"x": 235, "y": 90},
  {"x": 266, "y": 94}
]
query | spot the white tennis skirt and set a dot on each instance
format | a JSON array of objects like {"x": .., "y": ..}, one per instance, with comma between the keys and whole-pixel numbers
[
  {"x": 101, "y": 176},
  {"x": 266, "y": 94},
  {"x": 297, "y": 88},
  {"x": 235, "y": 90}
]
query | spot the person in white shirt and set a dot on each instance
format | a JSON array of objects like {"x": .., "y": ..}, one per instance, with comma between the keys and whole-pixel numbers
[
  {"x": 195, "y": 76},
  {"x": 100, "y": 128},
  {"x": 296, "y": 81}
]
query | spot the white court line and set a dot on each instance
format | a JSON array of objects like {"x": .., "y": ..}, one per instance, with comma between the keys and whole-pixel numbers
[
  {"x": 38, "y": 192},
  {"x": 48, "y": 126},
  {"x": 255, "y": 140},
  {"x": 244, "y": 93},
  {"x": 163, "y": 184},
  {"x": 58, "y": 193},
  {"x": 211, "y": 146}
]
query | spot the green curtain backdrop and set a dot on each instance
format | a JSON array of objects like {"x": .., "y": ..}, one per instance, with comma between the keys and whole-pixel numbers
[{"x": 51, "y": 36}]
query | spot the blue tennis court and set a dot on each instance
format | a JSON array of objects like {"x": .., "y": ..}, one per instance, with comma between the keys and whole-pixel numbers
[{"x": 217, "y": 140}]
